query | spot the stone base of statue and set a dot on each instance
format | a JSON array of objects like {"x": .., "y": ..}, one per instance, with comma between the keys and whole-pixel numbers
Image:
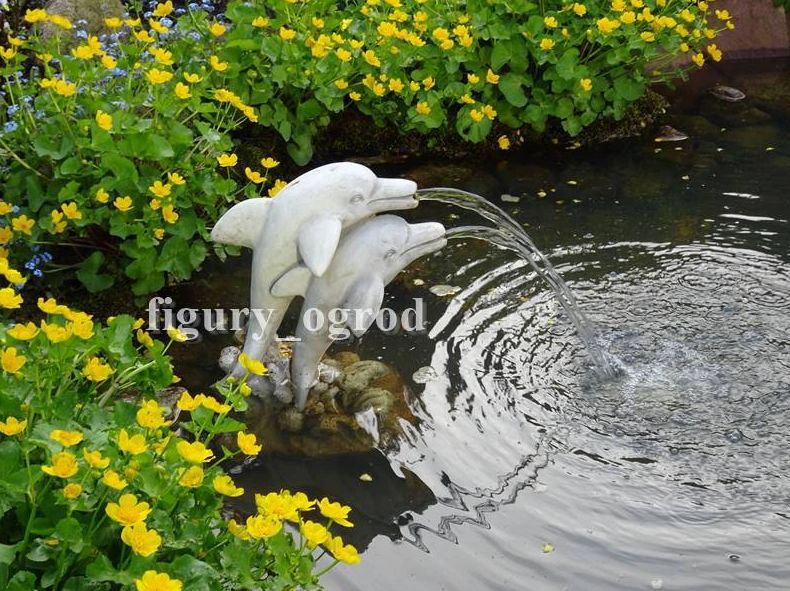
[{"x": 356, "y": 405}]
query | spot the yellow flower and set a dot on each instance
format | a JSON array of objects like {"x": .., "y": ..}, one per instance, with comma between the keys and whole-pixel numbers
[
  {"x": 195, "y": 452},
  {"x": 215, "y": 405},
  {"x": 579, "y": 9},
  {"x": 648, "y": 36},
  {"x": 182, "y": 91},
  {"x": 10, "y": 361},
  {"x": 96, "y": 370},
  {"x": 157, "y": 76},
  {"x": 335, "y": 512},
  {"x": 422, "y": 108},
  {"x": 169, "y": 214},
  {"x": 144, "y": 36},
  {"x": 341, "y": 552},
  {"x": 151, "y": 416},
  {"x": 238, "y": 530},
  {"x": 269, "y": 163},
  {"x": 95, "y": 459},
  {"x": 252, "y": 365},
  {"x": 143, "y": 541},
  {"x": 477, "y": 116},
  {"x": 224, "y": 485},
  {"x": 192, "y": 78},
  {"x": 314, "y": 533},
  {"x": 71, "y": 211},
  {"x": 102, "y": 196},
  {"x": 57, "y": 333},
  {"x": 217, "y": 29},
  {"x": 245, "y": 389},
  {"x": 344, "y": 55},
  {"x": 586, "y": 84},
  {"x": 714, "y": 52},
  {"x": 9, "y": 299},
  {"x": 23, "y": 332},
  {"x": 14, "y": 276},
  {"x": 628, "y": 18},
  {"x": 192, "y": 477},
  {"x": 547, "y": 44},
  {"x": 687, "y": 15},
  {"x": 354, "y": 96},
  {"x": 35, "y": 15},
  {"x": 370, "y": 58},
  {"x": 133, "y": 445},
  {"x": 227, "y": 160},
  {"x": 158, "y": 26},
  {"x": 160, "y": 189},
  {"x": 260, "y": 22},
  {"x": 23, "y": 224},
  {"x": 176, "y": 335},
  {"x": 113, "y": 22},
  {"x": 503, "y": 142},
  {"x": 491, "y": 77},
  {"x": 60, "y": 21},
  {"x": 66, "y": 438},
  {"x": 281, "y": 506},
  {"x": 606, "y": 25},
  {"x": 248, "y": 443},
  {"x": 159, "y": 233},
  {"x": 189, "y": 403},
  {"x": 287, "y": 34},
  {"x": 123, "y": 203},
  {"x": 50, "y": 306},
  {"x": 163, "y": 9},
  {"x": 429, "y": 83},
  {"x": 550, "y": 22},
  {"x": 723, "y": 15},
  {"x": 64, "y": 465},
  {"x": 162, "y": 56},
  {"x": 154, "y": 581},
  {"x": 254, "y": 176},
  {"x": 12, "y": 426},
  {"x": 262, "y": 527},
  {"x": 112, "y": 479},
  {"x": 127, "y": 511},
  {"x": 699, "y": 59},
  {"x": 81, "y": 52},
  {"x": 144, "y": 339},
  {"x": 72, "y": 490}
]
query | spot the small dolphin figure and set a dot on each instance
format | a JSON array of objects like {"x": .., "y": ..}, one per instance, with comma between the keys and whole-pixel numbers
[
  {"x": 294, "y": 236},
  {"x": 370, "y": 255}
]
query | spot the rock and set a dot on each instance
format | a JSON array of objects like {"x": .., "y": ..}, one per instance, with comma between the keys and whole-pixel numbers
[
  {"x": 228, "y": 357},
  {"x": 346, "y": 358},
  {"x": 667, "y": 133},
  {"x": 93, "y": 12},
  {"x": 444, "y": 290},
  {"x": 727, "y": 93},
  {"x": 358, "y": 376}
]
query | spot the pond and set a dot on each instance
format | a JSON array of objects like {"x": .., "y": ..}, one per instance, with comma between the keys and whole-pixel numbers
[{"x": 525, "y": 470}]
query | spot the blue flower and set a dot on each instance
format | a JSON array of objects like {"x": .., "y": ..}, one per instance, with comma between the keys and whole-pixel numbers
[{"x": 10, "y": 127}]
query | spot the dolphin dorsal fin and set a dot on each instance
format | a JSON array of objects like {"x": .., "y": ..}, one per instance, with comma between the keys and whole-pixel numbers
[
  {"x": 242, "y": 223},
  {"x": 318, "y": 239},
  {"x": 363, "y": 302},
  {"x": 293, "y": 282}
]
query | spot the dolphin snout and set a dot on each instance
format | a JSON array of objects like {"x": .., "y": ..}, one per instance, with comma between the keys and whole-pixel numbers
[
  {"x": 393, "y": 194},
  {"x": 424, "y": 239}
]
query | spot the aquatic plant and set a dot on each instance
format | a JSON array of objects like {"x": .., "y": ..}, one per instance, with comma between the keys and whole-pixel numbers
[
  {"x": 122, "y": 142},
  {"x": 98, "y": 489}
]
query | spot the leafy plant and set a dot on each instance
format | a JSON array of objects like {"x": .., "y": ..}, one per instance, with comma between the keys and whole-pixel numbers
[{"x": 97, "y": 491}]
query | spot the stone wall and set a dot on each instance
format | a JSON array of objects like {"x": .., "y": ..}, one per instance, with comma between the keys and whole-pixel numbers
[{"x": 761, "y": 29}]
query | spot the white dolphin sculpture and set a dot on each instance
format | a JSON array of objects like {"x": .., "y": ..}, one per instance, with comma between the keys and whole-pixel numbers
[
  {"x": 294, "y": 236},
  {"x": 370, "y": 255}
]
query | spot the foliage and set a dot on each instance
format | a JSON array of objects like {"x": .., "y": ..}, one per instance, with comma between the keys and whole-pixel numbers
[
  {"x": 128, "y": 135},
  {"x": 97, "y": 491}
]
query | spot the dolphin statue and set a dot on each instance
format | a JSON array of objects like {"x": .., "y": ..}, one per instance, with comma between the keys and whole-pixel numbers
[
  {"x": 370, "y": 255},
  {"x": 295, "y": 235}
]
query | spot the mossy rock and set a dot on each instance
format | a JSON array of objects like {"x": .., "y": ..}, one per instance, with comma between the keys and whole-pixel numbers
[{"x": 92, "y": 11}]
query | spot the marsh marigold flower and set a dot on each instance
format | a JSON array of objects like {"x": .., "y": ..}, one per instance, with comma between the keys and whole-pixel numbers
[
  {"x": 342, "y": 552},
  {"x": 66, "y": 438},
  {"x": 216, "y": 64},
  {"x": 123, "y": 204},
  {"x": 95, "y": 460},
  {"x": 151, "y": 416},
  {"x": 224, "y": 485},
  {"x": 269, "y": 163},
  {"x": 155, "y": 581},
  {"x": 280, "y": 184},
  {"x": 10, "y": 361},
  {"x": 192, "y": 477},
  {"x": 335, "y": 512},
  {"x": 64, "y": 465},
  {"x": 189, "y": 403},
  {"x": 10, "y": 299},
  {"x": 72, "y": 490},
  {"x": 586, "y": 84},
  {"x": 112, "y": 479},
  {"x": 227, "y": 160},
  {"x": 423, "y": 108},
  {"x": 96, "y": 370},
  {"x": 254, "y": 176},
  {"x": 176, "y": 335},
  {"x": 252, "y": 365},
  {"x": 503, "y": 142},
  {"x": 133, "y": 445},
  {"x": 195, "y": 452},
  {"x": 314, "y": 533},
  {"x": 12, "y": 426},
  {"x": 262, "y": 527},
  {"x": 140, "y": 539},
  {"x": 248, "y": 443},
  {"x": 128, "y": 511}
]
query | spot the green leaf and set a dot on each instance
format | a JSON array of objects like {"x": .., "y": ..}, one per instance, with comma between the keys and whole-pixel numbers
[
  {"x": 195, "y": 574},
  {"x": 7, "y": 554},
  {"x": 69, "y": 530},
  {"x": 566, "y": 66},
  {"x": 56, "y": 147},
  {"x": 22, "y": 581},
  {"x": 70, "y": 166},
  {"x": 500, "y": 55},
  {"x": 628, "y": 88},
  {"x": 510, "y": 85},
  {"x": 89, "y": 274},
  {"x": 123, "y": 168},
  {"x": 102, "y": 569}
]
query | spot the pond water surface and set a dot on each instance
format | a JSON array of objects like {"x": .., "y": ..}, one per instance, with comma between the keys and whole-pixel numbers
[{"x": 528, "y": 472}]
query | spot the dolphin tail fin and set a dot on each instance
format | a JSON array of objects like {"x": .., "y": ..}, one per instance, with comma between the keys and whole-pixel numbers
[
  {"x": 242, "y": 223},
  {"x": 363, "y": 301}
]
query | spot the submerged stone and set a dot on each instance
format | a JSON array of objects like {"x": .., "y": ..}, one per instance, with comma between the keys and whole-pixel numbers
[{"x": 727, "y": 93}]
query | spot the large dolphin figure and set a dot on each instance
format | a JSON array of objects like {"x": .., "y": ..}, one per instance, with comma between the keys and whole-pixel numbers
[
  {"x": 370, "y": 255},
  {"x": 294, "y": 236}
]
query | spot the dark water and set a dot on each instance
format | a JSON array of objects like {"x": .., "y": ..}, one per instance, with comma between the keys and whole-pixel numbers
[{"x": 529, "y": 472}]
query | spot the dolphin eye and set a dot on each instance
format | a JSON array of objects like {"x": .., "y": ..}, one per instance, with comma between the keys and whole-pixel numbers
[
  {"x": 357, "y": 198},
  {"x": 390, "y": 253}
]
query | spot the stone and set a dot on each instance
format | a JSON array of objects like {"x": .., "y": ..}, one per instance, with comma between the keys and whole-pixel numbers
[{"x": 92, "y": 11}]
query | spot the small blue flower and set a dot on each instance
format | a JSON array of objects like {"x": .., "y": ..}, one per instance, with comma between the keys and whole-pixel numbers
[
  {"x": 81, "y": 34},
  {"x": 10, "y": 127},
  {"x": 38, "y": 273},
  {"x": 11, "y": 110}
]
